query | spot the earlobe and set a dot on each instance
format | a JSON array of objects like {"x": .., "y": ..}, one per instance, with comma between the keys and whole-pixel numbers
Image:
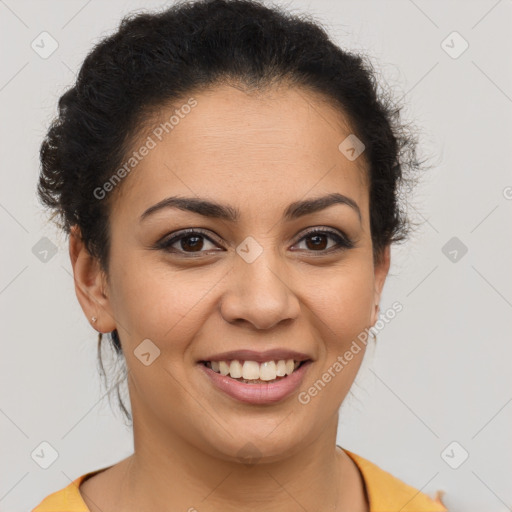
[{"x": 90, "y": 284}]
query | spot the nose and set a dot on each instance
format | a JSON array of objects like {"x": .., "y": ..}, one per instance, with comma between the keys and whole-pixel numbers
[{"x": 259, "y": 293}]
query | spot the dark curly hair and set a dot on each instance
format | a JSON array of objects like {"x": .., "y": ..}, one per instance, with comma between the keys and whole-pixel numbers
[{"x": 155, "y": 58}]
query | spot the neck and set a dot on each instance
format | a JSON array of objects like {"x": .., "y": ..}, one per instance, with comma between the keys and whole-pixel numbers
[{"x": 178, "y": 476}]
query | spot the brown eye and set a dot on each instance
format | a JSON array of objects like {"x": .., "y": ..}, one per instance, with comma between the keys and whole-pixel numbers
[
  {"x": 317, "y": 241},
  {"x": 190, "y": 241}
]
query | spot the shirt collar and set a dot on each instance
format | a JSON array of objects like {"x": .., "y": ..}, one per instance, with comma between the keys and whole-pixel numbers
[{"x": 386, "y": 493}]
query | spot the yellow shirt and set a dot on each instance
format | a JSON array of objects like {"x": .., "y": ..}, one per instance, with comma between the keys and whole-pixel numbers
[{"x": 385, "y": 492}]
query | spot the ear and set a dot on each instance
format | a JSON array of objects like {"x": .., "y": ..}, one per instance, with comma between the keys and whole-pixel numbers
[
  {"x": 381, "y": 270},
  {"x": 90, "y": 284}
]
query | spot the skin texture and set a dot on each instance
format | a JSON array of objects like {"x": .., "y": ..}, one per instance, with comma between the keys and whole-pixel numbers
[{"x": 259, "y": 153}]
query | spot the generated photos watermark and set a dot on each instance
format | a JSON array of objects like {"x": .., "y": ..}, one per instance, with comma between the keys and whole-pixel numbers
[
  {"x": 158, "y": 133},
  {"x": 304, "y": 397}
]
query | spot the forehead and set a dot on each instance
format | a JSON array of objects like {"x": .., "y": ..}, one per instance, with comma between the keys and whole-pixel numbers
[{"x": 257, "y": 148}]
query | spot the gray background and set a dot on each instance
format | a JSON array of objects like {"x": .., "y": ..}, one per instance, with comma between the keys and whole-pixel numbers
[{"x": 441, "y": 369}]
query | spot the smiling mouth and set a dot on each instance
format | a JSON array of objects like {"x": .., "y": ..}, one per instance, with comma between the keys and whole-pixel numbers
[{"x": 252, "y": 372}]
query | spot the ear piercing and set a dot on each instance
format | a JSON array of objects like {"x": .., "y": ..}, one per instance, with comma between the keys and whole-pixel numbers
[{"x": 93, "y": 319}]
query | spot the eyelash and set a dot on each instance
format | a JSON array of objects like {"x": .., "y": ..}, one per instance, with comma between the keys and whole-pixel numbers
[{"x": 343, "y": 242}]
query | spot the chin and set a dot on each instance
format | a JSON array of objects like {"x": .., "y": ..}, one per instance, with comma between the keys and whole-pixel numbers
[{"x": 255, "y": 443}]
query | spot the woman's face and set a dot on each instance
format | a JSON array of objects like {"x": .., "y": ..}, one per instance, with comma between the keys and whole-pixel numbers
[{"x": 258, "y": 283}]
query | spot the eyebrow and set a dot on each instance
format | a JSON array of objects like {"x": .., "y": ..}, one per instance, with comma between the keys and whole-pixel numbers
[{"x": 228, "y": 213}]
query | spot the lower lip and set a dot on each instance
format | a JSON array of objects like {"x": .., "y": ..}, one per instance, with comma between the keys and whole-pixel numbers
[{"x": 258, "y": 393}]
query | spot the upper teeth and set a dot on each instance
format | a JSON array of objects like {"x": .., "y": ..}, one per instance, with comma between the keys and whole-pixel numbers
[{"x": 252, "y": 370}]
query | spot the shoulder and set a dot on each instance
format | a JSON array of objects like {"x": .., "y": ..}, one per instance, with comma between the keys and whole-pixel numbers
[
  {"x": 67, "y": 499},
  {"x": 386, "y": 493}
]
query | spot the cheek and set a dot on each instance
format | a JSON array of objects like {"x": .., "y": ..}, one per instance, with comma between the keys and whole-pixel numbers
[
  {"x": 344, "y": 311},
  {"x": 155, "y": 302},
  {"x": 346, "y": 303}
]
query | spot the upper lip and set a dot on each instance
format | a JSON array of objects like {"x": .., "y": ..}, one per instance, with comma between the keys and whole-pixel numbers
[{"x": 260, "y": 357}]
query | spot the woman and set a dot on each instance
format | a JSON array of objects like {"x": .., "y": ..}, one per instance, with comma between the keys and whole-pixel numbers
[{"x": 229, "y": 180}]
